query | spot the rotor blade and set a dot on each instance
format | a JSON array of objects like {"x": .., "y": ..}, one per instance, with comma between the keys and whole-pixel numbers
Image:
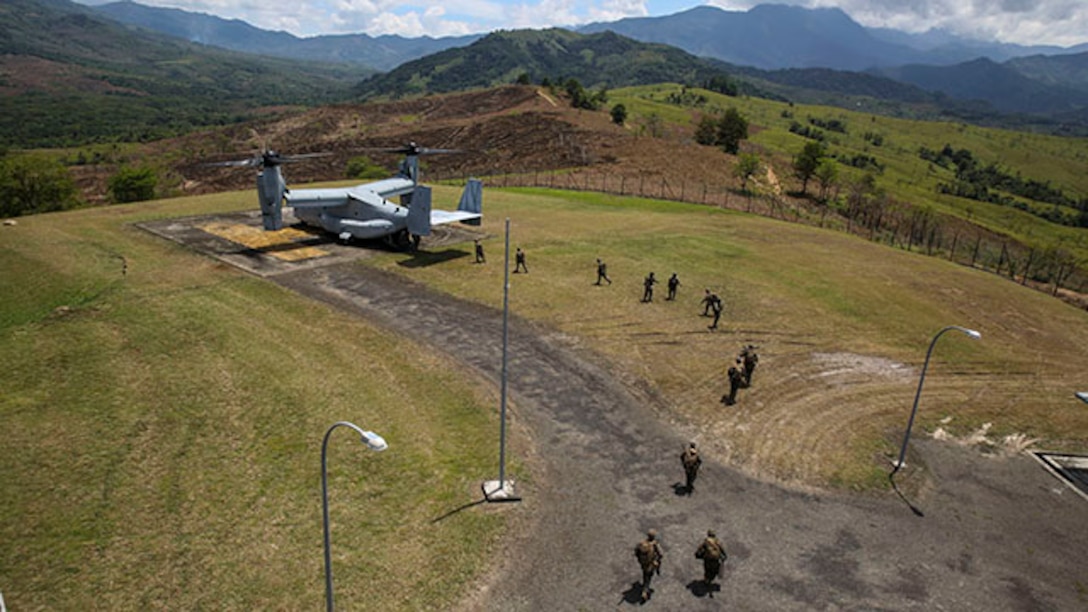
[
  {"x": 236, "y": 163},
  {"x": 302, "y": 156},
  {"x": 411, "y": 149}
]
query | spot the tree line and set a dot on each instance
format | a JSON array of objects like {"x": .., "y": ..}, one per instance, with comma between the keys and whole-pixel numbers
[{"x": 990, "y": 182}]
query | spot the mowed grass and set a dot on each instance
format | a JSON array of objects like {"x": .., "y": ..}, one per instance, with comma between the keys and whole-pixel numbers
[
  {"x": 162, "y": 434},
  {"x": 843, "y": 326}
]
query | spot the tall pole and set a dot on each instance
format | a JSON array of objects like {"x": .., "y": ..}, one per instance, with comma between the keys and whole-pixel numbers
[
  {"x": 910, "y": 422},
  {"x": 374, "y": 442},
  {"x": 505, "y": 338}
]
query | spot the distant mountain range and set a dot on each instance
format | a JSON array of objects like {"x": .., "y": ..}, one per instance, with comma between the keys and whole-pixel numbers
[
  {"x": 775, "y": 39},
  {"x": 381, "y": 52},
  {"x": 772, "y": 37}
]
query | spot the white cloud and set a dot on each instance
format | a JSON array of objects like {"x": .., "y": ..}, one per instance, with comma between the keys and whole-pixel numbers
[
  {"x": 1063, "y": 22},
  {"x": 614, "y": 10},
  {"x": 1029, "y": 22}
]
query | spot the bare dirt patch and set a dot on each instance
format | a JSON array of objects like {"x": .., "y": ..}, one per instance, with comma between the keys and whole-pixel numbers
[
  {"x": 506, "y": 130},
  {"x": 841, "y": 366}
]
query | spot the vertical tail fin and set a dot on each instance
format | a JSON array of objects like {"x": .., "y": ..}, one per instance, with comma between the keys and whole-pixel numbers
[
  {"x": 270, "y": 190},
  {"x": 472, "y": 199},
  {"x": 419, "y": 212}
]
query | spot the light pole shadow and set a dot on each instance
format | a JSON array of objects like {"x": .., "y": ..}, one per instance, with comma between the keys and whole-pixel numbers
[
  {"x": 895, "y": 487},
  {"x": 459, "y": 509}
]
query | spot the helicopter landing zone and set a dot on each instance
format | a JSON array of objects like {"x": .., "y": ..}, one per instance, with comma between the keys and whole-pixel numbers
[{"x": 239, "y": 240}]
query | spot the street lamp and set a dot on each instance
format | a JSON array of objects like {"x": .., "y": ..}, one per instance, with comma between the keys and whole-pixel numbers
[
  {"x": 374, "y": 442},
  {"x": 906, "y": 437}
]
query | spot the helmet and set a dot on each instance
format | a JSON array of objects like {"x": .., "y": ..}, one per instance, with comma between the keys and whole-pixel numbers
[
  {"x": 651, "y": 534},
  {"x": 710, "y": 533}
]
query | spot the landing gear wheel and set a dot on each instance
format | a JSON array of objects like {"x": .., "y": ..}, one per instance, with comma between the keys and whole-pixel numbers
[{"x": 401, "y": 240}]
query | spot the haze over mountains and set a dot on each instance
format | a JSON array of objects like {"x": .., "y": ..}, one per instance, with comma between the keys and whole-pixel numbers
[
  {"x": 1054, "y": 81},
  {"x": 381, "y": 52},
  {"x": 767, "y": 36},
  {"x": 772, "y": 36}
]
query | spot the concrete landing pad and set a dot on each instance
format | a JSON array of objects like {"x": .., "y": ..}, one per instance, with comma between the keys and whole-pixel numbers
[{"x": 239, "y": 240}]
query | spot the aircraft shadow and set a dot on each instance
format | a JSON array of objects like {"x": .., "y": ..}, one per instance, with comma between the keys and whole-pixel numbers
[{"x": 422, "y": 259}]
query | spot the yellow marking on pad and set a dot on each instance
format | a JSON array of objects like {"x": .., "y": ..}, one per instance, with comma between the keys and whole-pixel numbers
[{"x": 269, "y": 241}]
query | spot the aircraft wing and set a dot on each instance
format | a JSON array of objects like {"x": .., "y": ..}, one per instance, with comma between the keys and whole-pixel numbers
[
  {"x": 316, "y": 198},
  {"x": 390, "y": 187},
  {"x": 440, "y": 217},
  {"x": 338, "y": 196}
]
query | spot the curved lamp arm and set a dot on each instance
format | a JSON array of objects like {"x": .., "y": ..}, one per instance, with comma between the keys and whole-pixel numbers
[
  {"x": 374, "y": 442},
  {"x": 921, "y": 379}
]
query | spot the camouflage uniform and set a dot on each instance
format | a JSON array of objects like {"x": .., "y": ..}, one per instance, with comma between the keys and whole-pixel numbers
[
  {"x": 649, "y": 555},
  {"x": 602, "y": 272},
  {"x": 519, "y": 262},
  {"x": 712, "y": 553},
  {"x": 748, "y": 354},
  {"x": 709, "y": 302},
  {"x": 674, "y": 282},
  {"x": 691, "y": 461},
  {"x": 648, "y": 288},
  {"x": 717, "y": 306},
  {"x": 736, "y": 377}
]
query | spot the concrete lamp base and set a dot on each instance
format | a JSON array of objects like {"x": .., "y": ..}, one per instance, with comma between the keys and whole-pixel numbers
[{"x": 493, "y": 492}]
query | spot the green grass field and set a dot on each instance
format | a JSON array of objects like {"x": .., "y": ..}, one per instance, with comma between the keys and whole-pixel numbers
[
  {"x": 163, "y": 428},
  {"x": 906, "y": 177}
]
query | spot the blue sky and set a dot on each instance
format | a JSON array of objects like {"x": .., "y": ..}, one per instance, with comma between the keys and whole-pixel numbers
[{"x": 1059, "y": 22}]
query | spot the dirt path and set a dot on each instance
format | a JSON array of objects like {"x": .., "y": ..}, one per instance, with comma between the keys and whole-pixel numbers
[{"x": 997, "y": 534}]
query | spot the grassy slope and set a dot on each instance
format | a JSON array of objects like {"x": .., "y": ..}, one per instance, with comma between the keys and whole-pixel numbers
[
  {"x": 907, "y": 177},
  {"x": 162, "y": 434},
  {"x": 809, "y": 298}
]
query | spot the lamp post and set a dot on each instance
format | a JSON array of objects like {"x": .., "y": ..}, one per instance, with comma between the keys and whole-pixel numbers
[
  {"x": 502, "y": 490},
  {"x": 373, "y": 442},
  {"x": 910, "y": 423}
]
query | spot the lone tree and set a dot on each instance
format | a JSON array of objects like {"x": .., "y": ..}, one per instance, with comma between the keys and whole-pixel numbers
[
  {"x": 732, "y": 129},
  {"x": 726, "y": 131},
  {"x": 619, "y": 114},
  {"x": 827, "y": 174},
  {"x": 806, "y": 162},
  {"x": 747, "y": 165},
  {"x": 706, "y": 133}
]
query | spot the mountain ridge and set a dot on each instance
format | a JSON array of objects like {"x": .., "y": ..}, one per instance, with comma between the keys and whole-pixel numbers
[{"x": 380, "y": 53}]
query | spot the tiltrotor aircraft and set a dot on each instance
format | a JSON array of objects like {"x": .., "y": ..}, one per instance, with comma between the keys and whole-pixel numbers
[{"x": 364, "y": 211}]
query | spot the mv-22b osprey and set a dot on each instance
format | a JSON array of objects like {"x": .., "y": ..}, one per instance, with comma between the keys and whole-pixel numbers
[{"x": 364, "y": 211}]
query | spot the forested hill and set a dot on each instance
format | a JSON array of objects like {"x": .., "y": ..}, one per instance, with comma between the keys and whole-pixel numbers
[
  {"x": 72, "y": 77},
  {"x": 595, "y": 60}
]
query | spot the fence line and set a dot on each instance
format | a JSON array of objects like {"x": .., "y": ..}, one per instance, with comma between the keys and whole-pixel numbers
[{"x": 901, "y": 226}]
